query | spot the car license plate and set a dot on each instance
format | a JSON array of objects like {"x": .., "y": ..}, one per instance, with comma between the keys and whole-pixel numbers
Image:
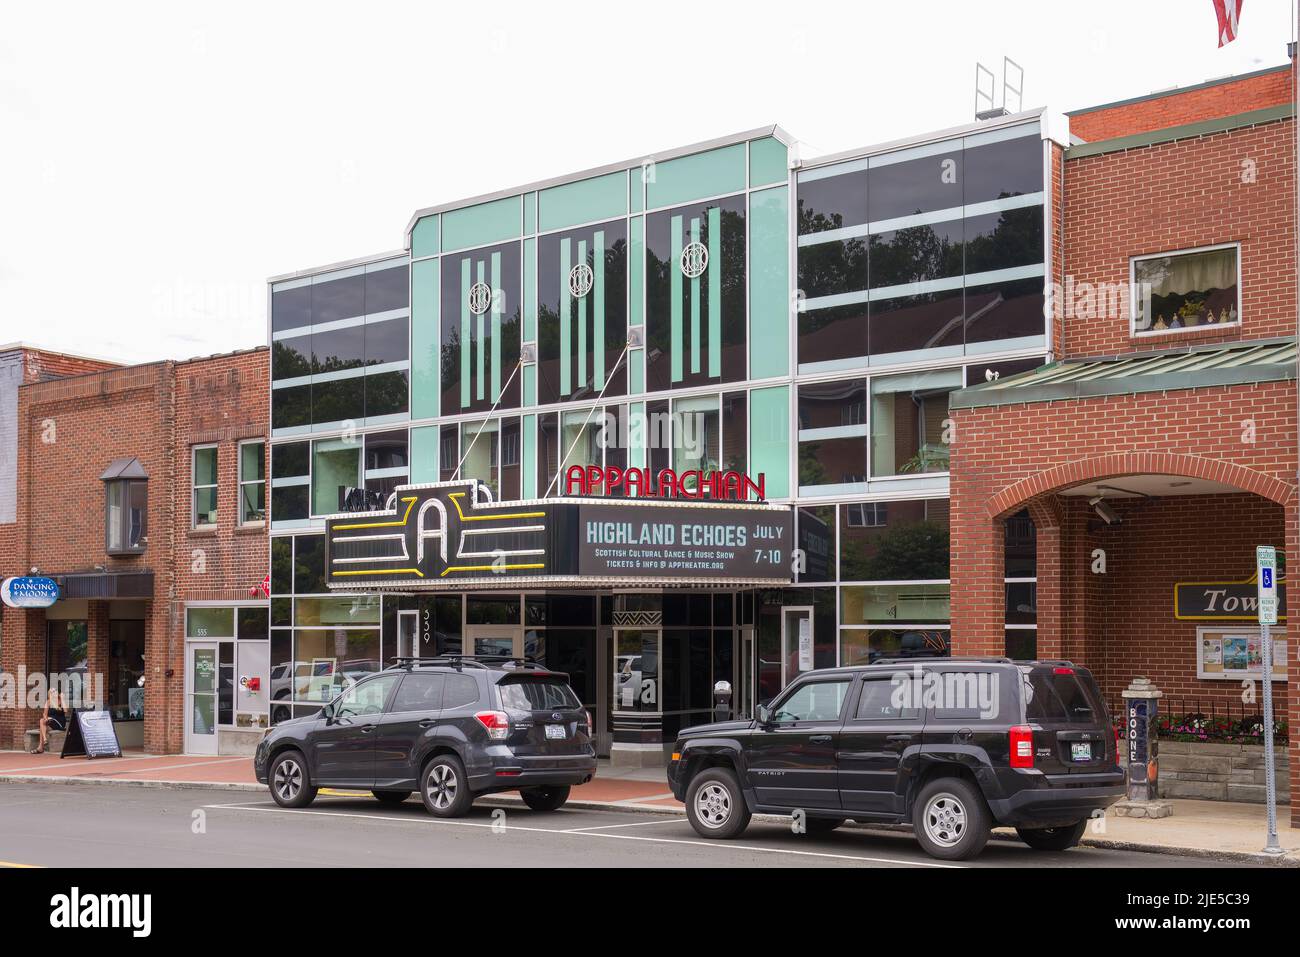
[
  {"x": 555, "y": 731},
  {"x": 1081, "y": 751}
]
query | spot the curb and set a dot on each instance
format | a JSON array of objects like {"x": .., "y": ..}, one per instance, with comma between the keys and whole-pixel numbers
[{"x": 1290, "y": 859}]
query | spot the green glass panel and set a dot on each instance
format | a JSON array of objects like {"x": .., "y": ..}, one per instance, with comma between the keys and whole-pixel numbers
[
  {"x": 636, "y": 273},
  {"x": 697, "y": 176},
  {"x": 635, "y": 190},
  {"x": 582, "y": 323},
  {"x": 528, "y": 456},
  {"x": 566, "y": 347},
  {"x": 530, "y": 214},
  {"x": 675, "y": 304},
  {"x": 479, "y": 225},
  {"x": 769, "y": 283},
  {"x": 636, "y": 371},
  {"x": 769, "y": 438},
  {"x": 424, "y": 454},
  {"x": 530, "y": 384},
  {"x": 424, "y": 237},
  {"x": 768, "y": 162},
  {"x": 209, "y": 623},
  {"x": 637, "y": 433},
  {"x": 586, "y": 201},
  {"x": 424, "y": 339},
  {"x": 497, "y": 304}
]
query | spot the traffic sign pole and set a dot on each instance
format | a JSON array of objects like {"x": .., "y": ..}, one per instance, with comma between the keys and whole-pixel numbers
[{"x": 1266, "y": 578}]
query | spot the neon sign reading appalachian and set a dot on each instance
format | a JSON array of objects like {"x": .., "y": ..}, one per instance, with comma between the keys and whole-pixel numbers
[{"x": 636, "y": 482}]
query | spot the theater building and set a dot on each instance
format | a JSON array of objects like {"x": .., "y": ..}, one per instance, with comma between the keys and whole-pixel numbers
[
  {"x": 1158, "y": 448},
  {"x": 140, "y": 490},
  {"x": 671, "y": 421}
]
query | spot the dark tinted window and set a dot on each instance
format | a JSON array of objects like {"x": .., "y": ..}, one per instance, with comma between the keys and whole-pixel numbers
[
  {"x": 291, "y": 309},
  {"x": 1060, "y": 698},
  {"x": 386, "y": 289},
  {"x": 338, "y": 299},
  {"x": 967, "y": 696},
  {"x": 289, "y": 503},
  {"x": 917, "y": 253},
  {"x": 1005, "y": 310},
  {"x": 459, "y": 691},
  {"x": 1009, "y": 168},
  {"x": 254, "y": 622},
  {"x": 289, "y": 460},
  {"x": 877, "y": 702},
  {"x": 291, "y": 357},
  {"x": 834, "y": 333},
  {"x": 338, "y": 400},
  {"x": 536, "y": 694},
  {"x": 338, "y": 349},
  {"x": 386, "y": 341},
  {"x": 832, "y": 202},
  {"x": 907, "y": 323},
  {"x": 386, "y": 393},
  {"x": 1013, "y": 237},
  {"x": 419, "y": 692},
  {"x": 917, "y": 185},
  {"x": 291, "y": 407},
  {"x": 829, "y": 269},
  {"x": 309, "y": 565}
]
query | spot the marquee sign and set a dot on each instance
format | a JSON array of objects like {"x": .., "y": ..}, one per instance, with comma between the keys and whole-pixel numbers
[{"x": 453, "y": 535}]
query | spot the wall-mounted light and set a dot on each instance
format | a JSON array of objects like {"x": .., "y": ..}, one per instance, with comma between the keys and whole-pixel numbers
[{"x": 1107, "y": 514}]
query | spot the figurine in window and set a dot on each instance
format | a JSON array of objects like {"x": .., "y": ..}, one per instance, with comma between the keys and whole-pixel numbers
[{"x": 1160, "y": 323}]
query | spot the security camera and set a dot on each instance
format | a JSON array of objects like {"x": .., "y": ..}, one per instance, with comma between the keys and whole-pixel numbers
[{"x": 1108, "y": 514}]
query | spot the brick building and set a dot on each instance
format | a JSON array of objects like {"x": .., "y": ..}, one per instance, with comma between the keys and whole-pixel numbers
[
  {"x": 141, "y": 491},
  {"x": 1160, "y": 445}
]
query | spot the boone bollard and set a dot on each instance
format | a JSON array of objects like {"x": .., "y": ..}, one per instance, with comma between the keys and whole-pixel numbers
[
  {"x": 722, "y": 701},
  {"x": 1141, "y": 738}
]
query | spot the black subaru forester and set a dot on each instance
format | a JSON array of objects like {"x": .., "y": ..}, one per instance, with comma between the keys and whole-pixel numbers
[{"x": 453, "y": 728}]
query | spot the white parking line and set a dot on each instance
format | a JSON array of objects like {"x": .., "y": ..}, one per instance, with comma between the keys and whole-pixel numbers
[
  {"x": 605, "y": 827},
  {"x": 498, "y": 826}
]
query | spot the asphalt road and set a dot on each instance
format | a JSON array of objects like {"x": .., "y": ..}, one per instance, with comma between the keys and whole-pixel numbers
[{"x": 60, "y": 825}]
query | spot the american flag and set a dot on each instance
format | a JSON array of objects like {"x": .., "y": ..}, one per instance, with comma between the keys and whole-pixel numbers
[{"x": 1228, "y": 12}]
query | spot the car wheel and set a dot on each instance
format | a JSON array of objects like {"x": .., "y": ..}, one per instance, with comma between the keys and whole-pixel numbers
[
  {"x": 821, "y": 825},
  {"x": 715, "y": 805},
  {"x": 545, "y": 798},
  {"x": 950, "y": 819},
  {"x": 290, "y": 784},
  {"x": 391, "y": 797},
  {"x": 444, "y": 787},
  {"x": 1052, "y": 838}
]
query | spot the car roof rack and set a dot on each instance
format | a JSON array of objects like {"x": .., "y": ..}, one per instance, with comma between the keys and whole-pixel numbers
[
  {"x": 476, "y": 661},
  {"x": 987, "y": 660}
]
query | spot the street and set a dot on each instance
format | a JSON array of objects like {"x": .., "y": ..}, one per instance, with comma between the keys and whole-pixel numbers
[{"x": 59, "y": 825}]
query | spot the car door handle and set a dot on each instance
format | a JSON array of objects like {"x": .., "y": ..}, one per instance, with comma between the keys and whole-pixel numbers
[
  {"x": 428, "y": 722},
  {"x": 367, "y": 728},
  {"x": 898, "y": 737},
  {"x": 820, "y": 739}
]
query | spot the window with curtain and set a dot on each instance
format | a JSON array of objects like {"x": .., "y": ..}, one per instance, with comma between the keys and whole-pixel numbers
[{"x": 1185, "y": 290}]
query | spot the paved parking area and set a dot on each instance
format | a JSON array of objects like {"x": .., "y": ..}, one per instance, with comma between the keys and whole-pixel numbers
[{"x": 46, "y": 824}]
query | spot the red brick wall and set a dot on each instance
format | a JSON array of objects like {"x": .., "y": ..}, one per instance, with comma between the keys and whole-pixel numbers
[
  {"x": 41, "y": 365},
  {"x": 1187, "y": 106},
  {"x": 153, "y": 412},
  {"x": 1122, "y": 623},
  {"x": 1180, "y": 195}
]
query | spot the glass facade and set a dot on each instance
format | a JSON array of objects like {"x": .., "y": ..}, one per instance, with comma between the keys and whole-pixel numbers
[{"x": 710, "y": 310}]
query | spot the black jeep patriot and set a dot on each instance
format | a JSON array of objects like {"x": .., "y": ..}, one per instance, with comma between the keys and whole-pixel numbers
[{"x": 952, "y": 746}]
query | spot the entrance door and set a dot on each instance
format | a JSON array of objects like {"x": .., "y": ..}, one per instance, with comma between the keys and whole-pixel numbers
[
  {"x": 201, "y": 670},
  {"x": 408, "y": 634},
  {"x": 506, "y": 641},
  {"x": 743, "y": 700}
]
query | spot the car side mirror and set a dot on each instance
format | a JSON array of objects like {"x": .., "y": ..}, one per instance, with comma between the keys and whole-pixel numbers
[{"x": 763, "y": 714}]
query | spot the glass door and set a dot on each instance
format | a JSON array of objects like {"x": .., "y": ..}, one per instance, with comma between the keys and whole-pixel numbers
[
  {"x": 408, "y": 634},
  {"x": 635, "y": 685},
  {"x": 796, "y": 642},
  {"x": 743, "y": 696},
  {"x": 201, "y": 672}
]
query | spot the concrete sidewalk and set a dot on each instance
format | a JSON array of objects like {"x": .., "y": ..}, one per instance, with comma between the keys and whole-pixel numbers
[{"x": 1212, "y": 829}]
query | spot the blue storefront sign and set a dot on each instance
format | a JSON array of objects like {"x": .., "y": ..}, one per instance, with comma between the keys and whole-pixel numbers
[{"x": 29, "y": 592}]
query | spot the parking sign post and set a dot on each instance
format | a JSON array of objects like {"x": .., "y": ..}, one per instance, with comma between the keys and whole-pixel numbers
[{"x": 1266, "y": 577}]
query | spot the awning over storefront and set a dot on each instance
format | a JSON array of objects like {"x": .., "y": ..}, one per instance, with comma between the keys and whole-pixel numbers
[
  {"x": 1231, "y": 363},
  {"x": 452, "y": 535},
  {"x": 97, "y": 584}
]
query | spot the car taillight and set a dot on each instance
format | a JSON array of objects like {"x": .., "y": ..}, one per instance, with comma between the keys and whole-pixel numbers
[
  {"x": 496, "y": 722},
  {"x": 1022, "y": 746},
  {"x": 1062, "y": 671}
]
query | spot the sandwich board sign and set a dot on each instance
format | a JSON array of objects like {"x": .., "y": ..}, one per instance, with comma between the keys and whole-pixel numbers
[{"x": 91, "y": 733}]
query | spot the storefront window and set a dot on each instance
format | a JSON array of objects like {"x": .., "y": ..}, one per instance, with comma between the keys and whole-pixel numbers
[
  {"x": 894, "y": 541},
  {"x": 330, "y": 660},
  {"x": 1186, "y": 290},
  {"x": 863, "y": 646},
  {"x": 909, "y": 422},
  {"x": 335, "y": 465},
  {"x": 66, "y": 646},
  {"x": 126, "y": 669},
  {"x": 341, "y": 611},
  {"x": 886, "y": 604}
]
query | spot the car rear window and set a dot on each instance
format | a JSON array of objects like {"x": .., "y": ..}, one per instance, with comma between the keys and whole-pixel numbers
[
  {"x": 537, "y": 694},
  {"x": 1060, "y": 698}
]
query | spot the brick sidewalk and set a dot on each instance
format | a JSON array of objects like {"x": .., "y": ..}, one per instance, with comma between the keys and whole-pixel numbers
[{"x": 1204, "y": 828}]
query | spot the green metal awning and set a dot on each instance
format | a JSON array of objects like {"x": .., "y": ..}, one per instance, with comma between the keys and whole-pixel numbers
[{"x": 1190, "y": 367}]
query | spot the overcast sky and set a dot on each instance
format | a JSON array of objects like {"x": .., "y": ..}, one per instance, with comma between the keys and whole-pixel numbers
[{"x": 158, "y": 161}]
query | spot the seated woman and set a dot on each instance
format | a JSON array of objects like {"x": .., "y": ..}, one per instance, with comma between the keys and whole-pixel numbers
[{"x": 53, "y": 717}]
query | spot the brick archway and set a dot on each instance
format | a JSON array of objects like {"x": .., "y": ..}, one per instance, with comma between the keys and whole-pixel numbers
[{"x": 1014, "y": 497}]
